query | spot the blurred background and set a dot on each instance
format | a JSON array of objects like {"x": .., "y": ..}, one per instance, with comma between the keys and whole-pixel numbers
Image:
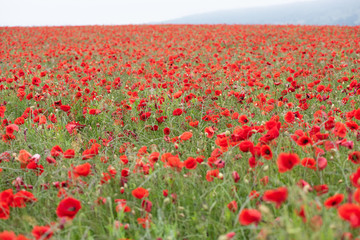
[{"x": 119, "y": 12}]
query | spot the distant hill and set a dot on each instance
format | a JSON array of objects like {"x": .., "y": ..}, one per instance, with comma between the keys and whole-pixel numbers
[{"x": 317, "y": 12}]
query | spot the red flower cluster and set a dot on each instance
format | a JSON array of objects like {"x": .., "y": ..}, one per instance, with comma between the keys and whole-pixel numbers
[{"x": 10, "y": 200}]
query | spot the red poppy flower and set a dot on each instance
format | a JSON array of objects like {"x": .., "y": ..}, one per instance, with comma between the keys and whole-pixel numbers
[
  {"x": 225, "y": 113},
  {"x": 177, "y": 112},
  {"x": 68, "y": 208},
  {"x": 270, "y": 135},
  {"x": 94, "y": 111},
  {"x": 36, "y": 81},
  {"x": 355, "y": 178},
  {"x": 232, "y": 206},
  {"x": 166, "y": 131},
  {"x": 289, "y": 117},
  {"x": 286, "y": 161},
  {"x": 266, "y": 152},
  {"x": 211, "y": 174},
  {"x": 321, "y": 189},
  {"x": 161, "y": 119},
  {"x": 340, "y": 130},
  {"x": 56, "y": 151},
  {"x": 90, "y": 153},
  {"x": 186, "y": 136},
  {"x": 19, "y": 121},
  {"x": 277, "y": 196},
  {"x": 37, "y": 168},
  {"x": 52, "y": 118},
  {"x": 253, "y": 163},
  {"x": 125, "y": 172},
  {"x": 351, "y": 213},
  {"x": 357, "y": 195},
  {"x": 144, "y": 222},
  {"x": 334, "y": 201},
  {"x": 357, "y": 114},
  {"x": 2, "y": 111},
  {"x": 354, "y": 157},
  {"x": 21, "y": 198},
  {"x": 42, "y": 120},
  {"x": 140, "y": 193},
  {"x": 24, "y": 156},
  {"x": 303, "y": 141},
  {"x": 146, "y": 205},
  {"x": 353, "y": 126},
  {"x": 124, "y": 159},
  {"x": 177, "y": 94},
  {"x": 6, "y": 235},
  {"x": 4, "y": 210},
  {"x": 246, "y": 146},
  {"x": 154, "y": 157},
  {"x": 65, "y": 108},
  {"x": 347, "y": 144},
  {"x": 190, "y": 163},
  {"x": 222, "y": 141},
  {"x": 174, "y": 162},
  {"x": 11, "y": 128},
  {"x": 42, "y": 232},
  {"x": 145, "y": 116},
  {"x": 249, "y": 216},
  {"x": 122, "y": 207},
  {"x": 243, "y": 119},
  {"x": 70, "y": 153},
  {"x": 7, "y": 196},
  {"x": 209, "y": 131},
  {"x": 70, "y": 127},
  {"x": 82, "y": 170},
  {"x": 330, "y": 124},
  {"x": 309, "y": 163}
]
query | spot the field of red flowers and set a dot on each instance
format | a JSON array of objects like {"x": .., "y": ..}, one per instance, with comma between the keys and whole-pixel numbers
[{"x": 180, "y": 132}]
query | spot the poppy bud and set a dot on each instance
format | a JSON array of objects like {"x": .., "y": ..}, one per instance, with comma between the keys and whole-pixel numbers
[{"x": 235, "y": 176}]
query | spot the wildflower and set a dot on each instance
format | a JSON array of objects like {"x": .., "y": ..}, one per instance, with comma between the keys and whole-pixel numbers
[
  {"x": 249, "y": 216},
  {"x": 351, "y": 213},
  {"x": 334, "y": 201},
  {"x": 68, "y": 208},
  {"x": 277, "y": 196},
  {"x": 140, "y": 193},
  {"x": 286, "y": 161}
]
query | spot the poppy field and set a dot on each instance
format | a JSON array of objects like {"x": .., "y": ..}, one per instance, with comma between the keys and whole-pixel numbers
[{"x": 180, "y": 132}]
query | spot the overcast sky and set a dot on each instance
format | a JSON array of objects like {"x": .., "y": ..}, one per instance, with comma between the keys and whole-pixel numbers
[{"x": 102, "y": 12}]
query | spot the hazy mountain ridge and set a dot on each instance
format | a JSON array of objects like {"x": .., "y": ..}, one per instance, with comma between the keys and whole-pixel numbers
[{"x": 320, "y": 12}]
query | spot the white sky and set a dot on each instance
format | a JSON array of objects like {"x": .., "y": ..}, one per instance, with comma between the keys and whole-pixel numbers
[{"x": 102, "y": 12}]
